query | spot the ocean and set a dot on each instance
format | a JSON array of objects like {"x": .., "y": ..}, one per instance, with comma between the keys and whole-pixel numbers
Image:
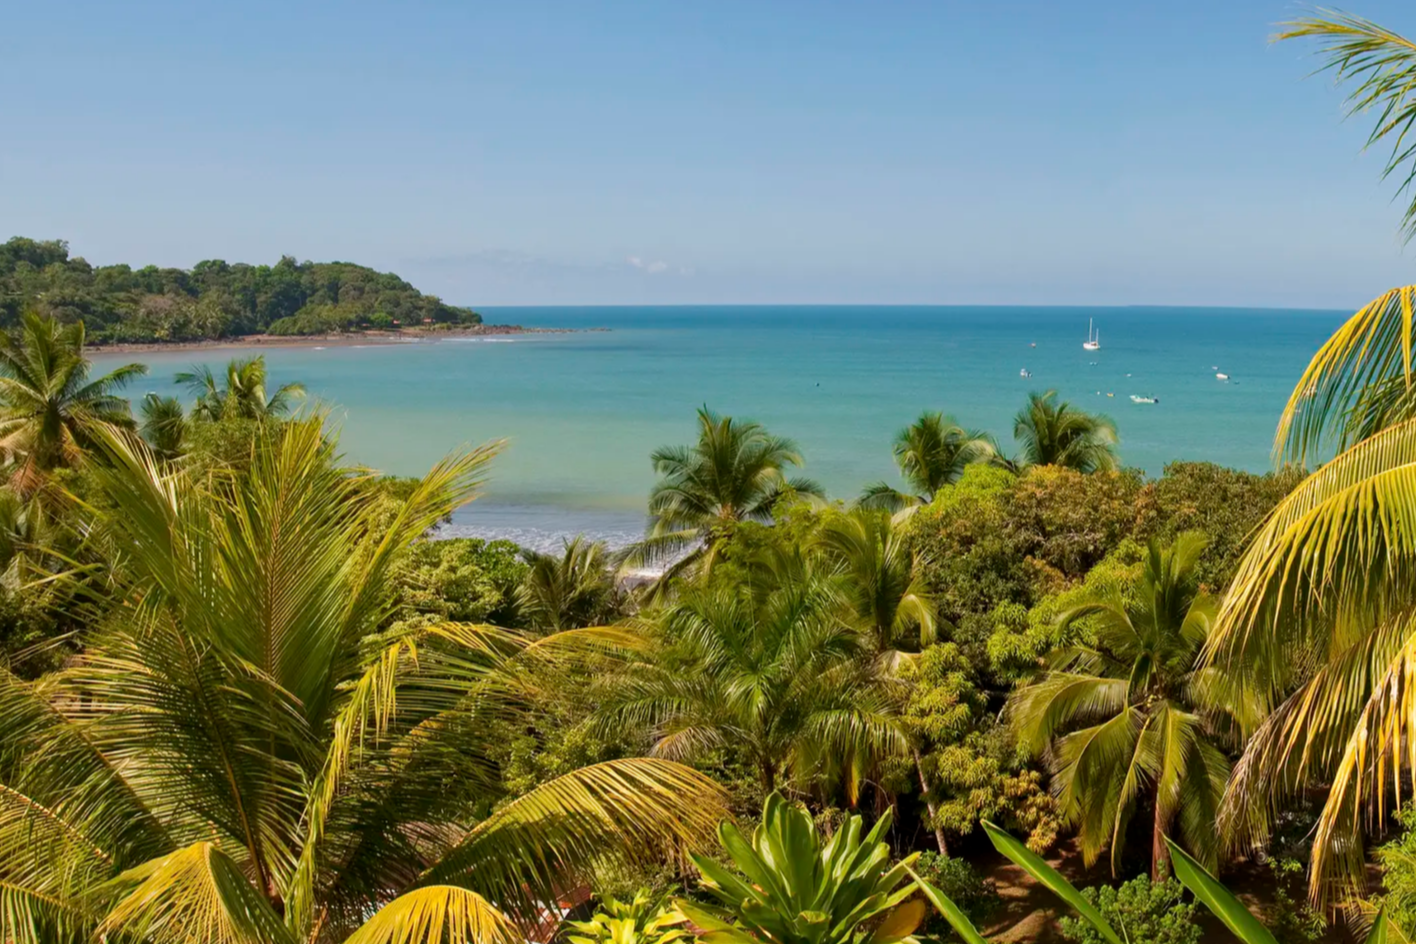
[{"x": 580, "y": 412}]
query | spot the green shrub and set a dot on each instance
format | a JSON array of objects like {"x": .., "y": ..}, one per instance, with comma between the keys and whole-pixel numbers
[
  {"x": 460, "y": 579},
  {"x": 1398, "y": 859},
  {"x": 1142, "y": 909},
  {"x": 966, "y": 888}
]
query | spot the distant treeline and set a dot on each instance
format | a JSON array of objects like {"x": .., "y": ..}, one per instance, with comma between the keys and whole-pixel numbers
[{"x": 213, "y": 299}]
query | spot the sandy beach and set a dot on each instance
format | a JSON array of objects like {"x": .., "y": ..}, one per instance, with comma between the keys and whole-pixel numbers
[{"x": 350, "y": 339}]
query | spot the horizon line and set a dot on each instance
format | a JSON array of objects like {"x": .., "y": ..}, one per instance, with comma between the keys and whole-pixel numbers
[{"x": 719, "y": 305}]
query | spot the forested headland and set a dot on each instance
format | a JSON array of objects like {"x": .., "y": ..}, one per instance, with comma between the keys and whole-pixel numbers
[{"x": 214, "y": 299}]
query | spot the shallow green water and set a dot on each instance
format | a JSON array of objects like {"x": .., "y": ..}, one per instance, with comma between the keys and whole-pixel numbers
[{"x": 582, "y": 411}]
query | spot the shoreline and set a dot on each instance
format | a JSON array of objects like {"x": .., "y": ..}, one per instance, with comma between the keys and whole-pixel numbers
[{"x": 353, "y": 339}]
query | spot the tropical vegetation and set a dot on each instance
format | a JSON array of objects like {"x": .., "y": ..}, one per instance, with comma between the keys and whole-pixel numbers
[
  {"x": 251, "y": 693},
  {"x": 1124, "y": 714},
  {"x": 932, "y": 452},
  {"x": 1053, "y": 432},
  {"x": 213, "y": 299},
  {"x": 1320, "y": 618}
]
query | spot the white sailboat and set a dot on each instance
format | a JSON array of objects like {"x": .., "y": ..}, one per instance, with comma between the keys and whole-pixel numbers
[{"x": 1093, "y": 341}]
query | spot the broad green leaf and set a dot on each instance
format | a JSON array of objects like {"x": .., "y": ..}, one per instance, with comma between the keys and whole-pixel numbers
[
  {"x": 1218, "y": 899},
  {"x": 950, "y": 911},
  {"x": 1386, "y": 931},
  {"x": 1033, "y": 864},
  {"x": 900, "y": 922},
  {"x": 718, "y": 930}
]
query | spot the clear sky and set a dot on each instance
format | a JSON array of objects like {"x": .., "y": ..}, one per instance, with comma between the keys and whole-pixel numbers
[{"x": 1085, "y": 152}]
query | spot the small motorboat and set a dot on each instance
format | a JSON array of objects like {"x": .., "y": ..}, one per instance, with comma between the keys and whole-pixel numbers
[
  {"x": 1222, "y": 376},
  {"x": 1032, "y": 343},
  {"x": 1137, "y": 399},
  {"x": 1023, "y": 372}
]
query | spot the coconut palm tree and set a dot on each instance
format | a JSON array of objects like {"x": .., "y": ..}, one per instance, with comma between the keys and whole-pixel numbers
[
  {"x": 49, "y": 408},
  {"x": 1320, "y": 615},
  {"x": 1054, "y": 432},
  {"x": 771, "y": 674},
  {"x": 241, "y": 393},
  {"x": 879, "y": 576},
  {"x": 249, "y": 749},
  {"x": 932, "y": 452},
  {"x": 163, "y": 425},
  {"x": 573, "y": 590},
  {"x": 735, "y": 472},
  {"x": 1126, "y": 717}
]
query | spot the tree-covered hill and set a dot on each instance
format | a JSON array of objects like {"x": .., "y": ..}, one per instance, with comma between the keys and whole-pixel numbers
[{"x": 213, "y": 299}]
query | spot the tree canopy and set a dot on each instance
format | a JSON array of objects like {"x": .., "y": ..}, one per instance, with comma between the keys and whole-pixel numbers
[{"x": 213, "y": 299}]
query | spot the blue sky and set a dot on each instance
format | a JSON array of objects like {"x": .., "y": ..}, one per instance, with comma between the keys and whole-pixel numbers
[{"x": 616, "y": 153}]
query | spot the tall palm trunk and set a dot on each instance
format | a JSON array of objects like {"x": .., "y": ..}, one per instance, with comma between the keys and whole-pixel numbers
[{"x": 1159, "y": 854}]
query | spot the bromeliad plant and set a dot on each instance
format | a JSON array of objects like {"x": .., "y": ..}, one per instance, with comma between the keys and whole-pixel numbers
[
  {"x": 642, "y": 920},
  {"x": 798, "y": 888}
]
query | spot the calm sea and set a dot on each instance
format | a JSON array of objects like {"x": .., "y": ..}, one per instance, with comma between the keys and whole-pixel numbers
[{"x": 580, "y": 412}]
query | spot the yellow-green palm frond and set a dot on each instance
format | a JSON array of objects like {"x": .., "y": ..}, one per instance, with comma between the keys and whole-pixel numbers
[
  {"x": 50, "y": 761},
  {"x": 1382, "y": 63},
  {"x": 46, "y": 865},
  {"x": 1092, "y": 768},
  {"x": 1037, "y": 713},
  {"x": 1360, "y": 381},
  {"x": 437, "y": 914},
  {"x": 196, "y": 895},
  {"x": 545, "y": 840},
  {"x": 1337, "y": 552},
  {"x": 1350, "y": 725}
]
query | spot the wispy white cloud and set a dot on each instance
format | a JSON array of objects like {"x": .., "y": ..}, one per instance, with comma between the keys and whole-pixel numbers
[{"x": 656, "y": 266}]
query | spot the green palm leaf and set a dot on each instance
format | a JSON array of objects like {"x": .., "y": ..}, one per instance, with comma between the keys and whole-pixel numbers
[
  {"x": 560, "y": 829},
  {"x": 196, "y": 895},
  {"x": 437, "y": 914},
  {"x": 1218, "y": 899},
  {"x": 1045, "y": 874}
]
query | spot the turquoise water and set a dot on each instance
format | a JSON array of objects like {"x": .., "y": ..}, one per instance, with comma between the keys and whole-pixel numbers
[{"x": 581, "y": 411}]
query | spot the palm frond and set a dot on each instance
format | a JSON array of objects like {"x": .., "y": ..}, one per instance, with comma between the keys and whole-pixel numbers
[
  {"x": 1361, "y": 380},
  {"x": 437, "y": 914},
  {"x": 1382, "y": 63},
  {"x": 540, "y": 842},
  {"x": 1338, "y": 547},
  {"x": 196, "y": 895}
]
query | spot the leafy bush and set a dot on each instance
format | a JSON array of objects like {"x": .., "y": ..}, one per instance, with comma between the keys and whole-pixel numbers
[
  {"x": 966, "y": 888},
  {"x": 1224, "y": 504},
  {"x": 461, "y": 579},
  {"x": 1142, "y": 909},
  {"x": 1398, "y": 860}
]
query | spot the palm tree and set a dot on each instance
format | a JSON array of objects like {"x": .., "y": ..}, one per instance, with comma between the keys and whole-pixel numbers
[
  {"x": 49, "y": 408},
  {"x": 932, "y": 452},
  {"x": 733, "y": 473},
  {"x": 879, "y": 576},
  {"x": 249, "y": 749},
  {"x": 1054, "y": 432},
  {"x": 242, "y": 394},
  {"x": 770, "y": 674},
  {"x": 163, "y": 425},
  {"x": 1320, "y": 615},
  {"x": 573, "y": 590},
  {"x": 1129, "y": 714}
]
